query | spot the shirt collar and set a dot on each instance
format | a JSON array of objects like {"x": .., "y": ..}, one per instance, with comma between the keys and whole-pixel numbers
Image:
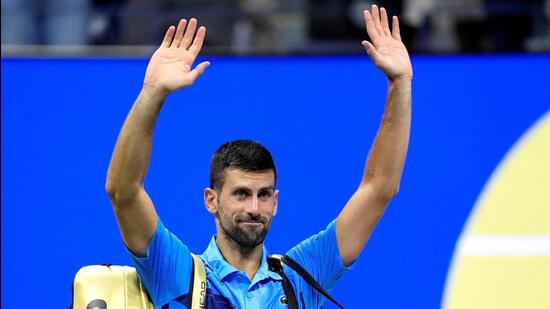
[{"x": 215, "y": 259}]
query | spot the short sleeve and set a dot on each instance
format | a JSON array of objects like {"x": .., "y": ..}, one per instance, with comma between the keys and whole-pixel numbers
[
  {"x": 320, "y": 256},
  {"x": 166, "y": 270}
]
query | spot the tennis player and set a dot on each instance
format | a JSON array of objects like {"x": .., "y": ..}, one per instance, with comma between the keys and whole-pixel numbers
[{"x": 242, "y": 196}]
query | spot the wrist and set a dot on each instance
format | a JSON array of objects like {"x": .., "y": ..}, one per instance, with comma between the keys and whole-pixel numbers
[
  {"x": 401, "y": 77},
  {"x": 153, "y": 92},
  {"x": 401, "y": 81},
  {"x": 151, "y": 100}
]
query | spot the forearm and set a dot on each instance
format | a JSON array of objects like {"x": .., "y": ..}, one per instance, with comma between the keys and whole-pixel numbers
[
  {"x": 130, "y": 159},
  {"x": 385, "y": 162}
]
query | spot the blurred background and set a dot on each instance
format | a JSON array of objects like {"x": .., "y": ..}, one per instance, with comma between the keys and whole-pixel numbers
[{"x": 272, "y": 26}]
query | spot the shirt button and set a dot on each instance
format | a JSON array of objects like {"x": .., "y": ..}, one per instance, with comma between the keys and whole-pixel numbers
[{"x": 249, "y": 295}]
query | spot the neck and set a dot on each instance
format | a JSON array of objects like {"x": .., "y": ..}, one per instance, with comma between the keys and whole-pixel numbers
[{"x": 247, "y": 260}]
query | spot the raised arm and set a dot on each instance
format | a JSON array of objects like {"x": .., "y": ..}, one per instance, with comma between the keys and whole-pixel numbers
[
  {"x": 384, "y": 166},
  {"x": 169, "y": 70}
]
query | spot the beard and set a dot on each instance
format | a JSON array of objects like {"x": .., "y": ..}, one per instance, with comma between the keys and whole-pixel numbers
[{"x": 245, "y": 236}]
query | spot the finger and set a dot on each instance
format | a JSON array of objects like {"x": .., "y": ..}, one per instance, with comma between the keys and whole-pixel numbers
[
  {"x": 168, "y": 36},
  {"x": 189, "y": 33},
  {"x": 179, "y": 33},
  {"x": 373, "y": 34},
  {"x": 384, "y": 20},
  {"x": 395, "y": 29},
  {"x": 371, "y": 51},
  {"x": 197, "y": 42},
  {"x": 197, "y": 72},
  {"x": 376, "y": 19}
]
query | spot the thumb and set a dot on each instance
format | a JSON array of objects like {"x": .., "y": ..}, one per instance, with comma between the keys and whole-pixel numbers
[
  {"x": 371, "y": 50},
  {"x": 199, "y": 69}
]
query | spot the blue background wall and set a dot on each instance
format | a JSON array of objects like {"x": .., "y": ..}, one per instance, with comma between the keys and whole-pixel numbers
[{"x": 60, "y": 120}]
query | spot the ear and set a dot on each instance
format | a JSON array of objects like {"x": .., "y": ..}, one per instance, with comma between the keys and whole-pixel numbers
[
  {"x": 210, "y": 200},
  {"x": 276, "y": 196}
]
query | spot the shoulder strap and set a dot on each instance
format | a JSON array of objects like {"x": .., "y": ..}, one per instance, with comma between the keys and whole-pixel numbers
[
  {"x": 197, "y": 285},
  {"x": 309, "y": 279},
  {"x": 275, "y": 264}
]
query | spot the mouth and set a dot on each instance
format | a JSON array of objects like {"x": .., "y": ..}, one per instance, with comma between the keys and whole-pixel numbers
[{"x": 251, "y": 223}]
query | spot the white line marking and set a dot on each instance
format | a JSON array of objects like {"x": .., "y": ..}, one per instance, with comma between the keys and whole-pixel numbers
[{"x": 504, "y": 246}]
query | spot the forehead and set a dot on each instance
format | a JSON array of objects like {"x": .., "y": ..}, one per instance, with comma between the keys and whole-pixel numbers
[{"x": 253, "y": 180}]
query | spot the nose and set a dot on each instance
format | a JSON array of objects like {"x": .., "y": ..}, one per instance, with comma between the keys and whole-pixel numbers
[{"x": 254, "y": 209}]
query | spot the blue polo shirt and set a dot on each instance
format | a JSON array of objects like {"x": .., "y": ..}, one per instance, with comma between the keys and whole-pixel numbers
[{"x": 166, "y": 272}]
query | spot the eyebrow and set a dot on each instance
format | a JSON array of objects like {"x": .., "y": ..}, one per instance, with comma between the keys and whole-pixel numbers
[{"x": 269, "y": 188}]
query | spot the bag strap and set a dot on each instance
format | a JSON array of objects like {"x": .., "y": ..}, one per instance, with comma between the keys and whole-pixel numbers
[
  {"x": 302, "y": 272},
  {"x": 275, "y": 265},
  {"x": 197, "y": 286}
]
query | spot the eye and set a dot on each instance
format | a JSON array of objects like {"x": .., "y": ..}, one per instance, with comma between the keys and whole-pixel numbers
[
  {"x": 265, "y": 194},
  {"x": 241, "y": 193}
]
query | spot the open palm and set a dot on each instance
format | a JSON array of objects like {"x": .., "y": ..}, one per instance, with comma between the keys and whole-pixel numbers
[
  {"x": 170, "y": 66},
  {"x": 386, "y": 50}
]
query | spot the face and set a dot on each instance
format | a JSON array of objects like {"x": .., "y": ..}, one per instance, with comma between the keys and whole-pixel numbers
[{"x": 244, "y": 207}]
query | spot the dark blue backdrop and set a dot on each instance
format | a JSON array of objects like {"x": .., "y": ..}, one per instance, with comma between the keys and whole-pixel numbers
[{"x": 61, "y": 117}]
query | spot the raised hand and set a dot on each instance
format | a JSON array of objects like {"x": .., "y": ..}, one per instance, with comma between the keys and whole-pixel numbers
[
  {"x": 170, "y": 66},
  {"x": 386, "y": 50}
]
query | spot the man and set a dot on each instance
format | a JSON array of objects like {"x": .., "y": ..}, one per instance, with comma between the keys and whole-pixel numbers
[{"x": 242, "y": 195}]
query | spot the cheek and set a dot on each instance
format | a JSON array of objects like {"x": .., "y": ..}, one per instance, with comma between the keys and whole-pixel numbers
[
  {"x": 229, "y": 208},
  {"x": 269, "y": 207}
]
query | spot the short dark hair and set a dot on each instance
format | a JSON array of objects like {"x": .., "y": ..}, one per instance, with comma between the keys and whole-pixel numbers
[{"x": 246, "y": 155}]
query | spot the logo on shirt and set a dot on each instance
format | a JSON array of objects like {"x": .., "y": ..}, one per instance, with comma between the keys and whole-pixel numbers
[{"x": 283, "y": 300}]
